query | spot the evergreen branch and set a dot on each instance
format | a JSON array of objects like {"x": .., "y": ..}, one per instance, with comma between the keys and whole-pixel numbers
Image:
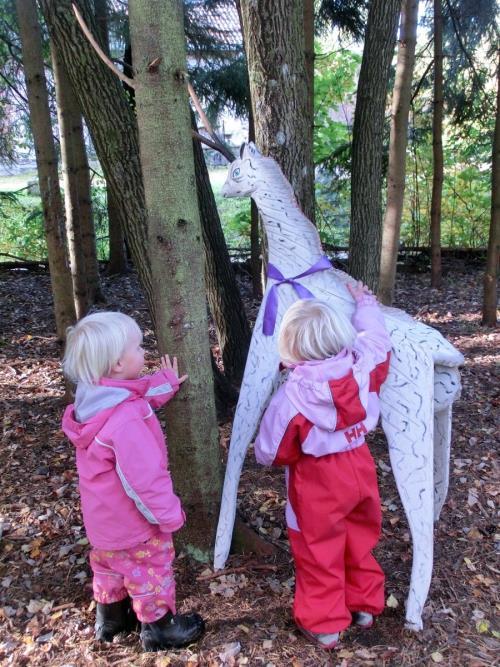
[
  {"x": 13, "y": 87},
  {"x": 422, "y": 79}
]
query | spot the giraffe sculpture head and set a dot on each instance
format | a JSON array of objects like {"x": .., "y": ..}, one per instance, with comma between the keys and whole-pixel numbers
[
  {"x": 243, "y": 173},
  {"x": 252, "y": 172}
]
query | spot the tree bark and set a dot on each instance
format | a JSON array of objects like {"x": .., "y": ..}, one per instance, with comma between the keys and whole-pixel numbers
[
  {"x": 255, "y": 249},
  {"x": 309, "y": 69},
  {"x": 491, "y": 274},
  {"x": 274, "y": 39},
  {"x": 396, "y": 174},
  {"x": 117, "y": 263},
  {"x": 68, "y": 117},
  {"x": 224, "y": 299},
  {"x": 437, "y": 148},
  {"x": 53, "y": 213},
  {"x": 367, "y": 146},
  {"x": 255, "y": 224},
  {"x": 113, "y": 126},
  {"x": 111, "y": 123},
  {"x": 175, "y": 247}
]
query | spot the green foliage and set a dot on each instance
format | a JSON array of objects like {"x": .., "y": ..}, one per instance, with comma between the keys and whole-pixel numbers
[
  {"x": 101, "y": 221},
  {"x": 234, "y": 213},
  {"x": 21, "y": 230},
  {"x": 466, "y": 201},
  {"x": 334, "y": 86}
]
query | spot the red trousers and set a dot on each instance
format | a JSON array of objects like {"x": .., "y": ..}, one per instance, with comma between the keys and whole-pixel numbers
[{"x": 336, "y": 501}]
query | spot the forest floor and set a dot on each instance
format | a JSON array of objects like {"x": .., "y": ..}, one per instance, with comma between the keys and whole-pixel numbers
[{"x": 46, "y": 608}]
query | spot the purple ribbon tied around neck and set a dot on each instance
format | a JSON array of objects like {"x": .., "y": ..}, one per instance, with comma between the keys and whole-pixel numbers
[{"x": 271, "y": 309}]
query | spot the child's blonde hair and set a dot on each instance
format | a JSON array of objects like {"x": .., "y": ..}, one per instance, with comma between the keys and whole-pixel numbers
[
  {"x": 310, "y": 329},
  {"x": 95, "y": 344}
]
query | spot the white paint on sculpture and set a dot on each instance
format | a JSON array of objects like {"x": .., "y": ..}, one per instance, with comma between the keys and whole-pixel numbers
[{"x": 416, "y": 399}]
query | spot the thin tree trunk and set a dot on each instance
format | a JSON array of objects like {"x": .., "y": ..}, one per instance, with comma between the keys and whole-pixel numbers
[
  {"x": 491, "y": 274},
  {"x": 367, "y": 146},
  {"x": 274, "y": 38},
  {"x": 255, "y": 246},
  {"x": 89, "y": 240},
  {"x": 396, "y": 173},
  {"x": 68, "y": 116},
  {"x": 224, "y": 299},
  {"x": 53, "y": 212},
  {"x": 437, "y": 148},
  {"x": 117, "y": 263},
  {"x": 111, "y": 123},
  {"x": 176, "y": 253}
]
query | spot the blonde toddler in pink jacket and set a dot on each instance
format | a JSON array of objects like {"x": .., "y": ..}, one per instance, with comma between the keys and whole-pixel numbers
[{"x": 128, "y": 503}]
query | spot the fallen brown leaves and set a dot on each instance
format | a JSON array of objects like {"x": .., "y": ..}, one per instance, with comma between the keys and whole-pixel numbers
[{"x": 46, "y": 608}]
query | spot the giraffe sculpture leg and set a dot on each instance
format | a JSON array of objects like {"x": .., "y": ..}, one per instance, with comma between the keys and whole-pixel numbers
[
  {"x": 446, "y": 390},
  {"x": 260, "y": 378},
  {"x": 442, "y": 445},
  {"x": 407, "y": 406}
]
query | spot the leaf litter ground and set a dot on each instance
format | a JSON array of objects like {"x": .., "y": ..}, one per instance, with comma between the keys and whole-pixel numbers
[{"x": 46, "y": 608}]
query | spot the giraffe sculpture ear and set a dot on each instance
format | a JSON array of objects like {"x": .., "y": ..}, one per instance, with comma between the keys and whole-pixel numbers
[{"x": 251, "y": 150}]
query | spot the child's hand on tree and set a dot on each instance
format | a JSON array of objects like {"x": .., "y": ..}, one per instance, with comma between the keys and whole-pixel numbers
[
  {"x": 358, "y": 290},
  {"x": 168, "y": 365}
]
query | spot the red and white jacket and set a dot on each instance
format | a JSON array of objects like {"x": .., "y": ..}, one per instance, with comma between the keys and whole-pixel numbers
[{"x": 327, "y": 406}]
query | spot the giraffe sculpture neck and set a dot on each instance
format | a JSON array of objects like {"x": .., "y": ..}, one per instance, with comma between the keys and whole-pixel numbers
[{"x": 293, "y": 240}]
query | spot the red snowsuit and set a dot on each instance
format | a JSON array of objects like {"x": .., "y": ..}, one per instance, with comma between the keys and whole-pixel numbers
[{"x": 315, "y": 425}]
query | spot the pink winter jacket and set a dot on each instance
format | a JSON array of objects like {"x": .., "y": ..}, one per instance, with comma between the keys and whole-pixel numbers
[
  {"x": 121, "y": 455},
  {"x": 328, "y": 406}
]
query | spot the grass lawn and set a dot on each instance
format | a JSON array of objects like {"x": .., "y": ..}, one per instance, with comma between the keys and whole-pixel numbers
[{"x": 16, "y": 182}]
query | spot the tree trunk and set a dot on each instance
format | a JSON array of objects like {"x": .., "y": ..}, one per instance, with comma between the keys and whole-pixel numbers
[
  {"x": 46, "y": 159},
  {"x": 491, "y": 274},
  {"x": 233, "y": 331},
  {"x": 437, "y": 148},
  {"x": 274, "y": 39},
  {"x": 309, "y": 69},
  {"x": 367, "y": 146},
  {"x": 176, "y": 254},
  {"x": 255, "y": 247},
  {"x": 111, "y": 123},
  {"x": 397, "y": 150},
  {"x": 68, "y": 117},
  {"x": 117, "y": 263},
  {"x": 113, "y": 127},
  {"x": 89, "y": 241}
]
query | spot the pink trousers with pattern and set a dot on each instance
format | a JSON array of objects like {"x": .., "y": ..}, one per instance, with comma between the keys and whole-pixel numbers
[{"x": 143, "y": 572}]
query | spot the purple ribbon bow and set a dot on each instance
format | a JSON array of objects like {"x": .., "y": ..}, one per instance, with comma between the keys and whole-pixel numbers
[{"x": 271, "y": 309}]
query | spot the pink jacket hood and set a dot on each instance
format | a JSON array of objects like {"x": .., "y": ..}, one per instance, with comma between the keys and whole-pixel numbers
[{"x": 94, "y": 405}]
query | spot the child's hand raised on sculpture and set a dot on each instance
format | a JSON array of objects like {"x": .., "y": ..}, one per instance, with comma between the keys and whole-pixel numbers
[
  {"x": 168, "y": 365},
  {"x": 358, "y": 290}
]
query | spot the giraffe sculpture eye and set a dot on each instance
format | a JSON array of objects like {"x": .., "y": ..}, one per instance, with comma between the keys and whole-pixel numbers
[{"x": 236, "y": 172}]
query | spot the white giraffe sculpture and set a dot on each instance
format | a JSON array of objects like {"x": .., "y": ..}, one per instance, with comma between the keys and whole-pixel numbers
[{"x": 416, "y": 399}]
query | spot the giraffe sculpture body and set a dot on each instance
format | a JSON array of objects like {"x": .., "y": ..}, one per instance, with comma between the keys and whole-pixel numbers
[{"x": 416, "y": 399}]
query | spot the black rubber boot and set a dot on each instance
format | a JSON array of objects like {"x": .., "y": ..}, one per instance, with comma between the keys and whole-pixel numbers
[
  {"x": 172, "y": 631},
  {"x": 111, "y": 619}
]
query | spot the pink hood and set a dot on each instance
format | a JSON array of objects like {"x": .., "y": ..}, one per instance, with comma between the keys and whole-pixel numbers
[{"x": 309, "y": 388}]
